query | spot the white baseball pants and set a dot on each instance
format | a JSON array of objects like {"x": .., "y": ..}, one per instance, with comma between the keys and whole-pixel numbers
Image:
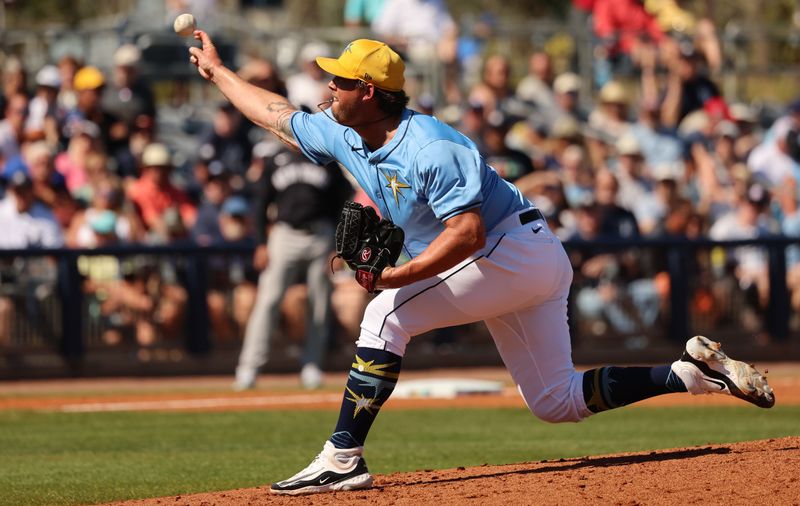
[{"x": 518, "y": 284}]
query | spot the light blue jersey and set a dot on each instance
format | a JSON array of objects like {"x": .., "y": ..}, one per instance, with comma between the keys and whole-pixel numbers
[{"x": 426, "y": 174}]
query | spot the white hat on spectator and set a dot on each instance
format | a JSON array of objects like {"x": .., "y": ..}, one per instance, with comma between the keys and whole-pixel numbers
[
  {"x": 696, "y": 121},
  {"x": 627, "y": 145},
  {"x": 48, "y": 76},
  {"x": 83, "y": 127},
  {"x": 613, "y": 92},
  {"x": 568, "y": 82},
  {"x": 666, "y": 172},
  {"x": 127, "y": 55},
  {"x": 313, "y": 49},
  {"x": 742, "y": 112},
  {"x": 565, "y": 127},
  {"x": 156, "y": 155},
  {"x": 727, "y": 129}
]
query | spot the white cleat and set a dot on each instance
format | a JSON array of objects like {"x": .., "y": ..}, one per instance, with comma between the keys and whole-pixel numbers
[
  {"x": 705, "y": 369},
  {"x": 333, "y": 469}
]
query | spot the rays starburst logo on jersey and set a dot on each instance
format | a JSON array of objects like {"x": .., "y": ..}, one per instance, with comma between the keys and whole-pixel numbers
[{"x": 396, "y": 186}]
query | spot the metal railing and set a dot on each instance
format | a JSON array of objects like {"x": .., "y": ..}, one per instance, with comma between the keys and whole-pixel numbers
[{"x": 680, "y": 288}]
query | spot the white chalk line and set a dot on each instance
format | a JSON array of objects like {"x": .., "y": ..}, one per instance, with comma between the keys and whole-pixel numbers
[{"x": 220, "y": 402}]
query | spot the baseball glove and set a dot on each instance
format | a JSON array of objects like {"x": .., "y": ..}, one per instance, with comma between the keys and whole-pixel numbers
[{"x": 367, "y": 243}]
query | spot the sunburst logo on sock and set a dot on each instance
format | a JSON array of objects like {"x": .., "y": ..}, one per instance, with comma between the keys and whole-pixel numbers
[
  {"x": 362, "y": 402},
  {"x": 371, "y": 367}
]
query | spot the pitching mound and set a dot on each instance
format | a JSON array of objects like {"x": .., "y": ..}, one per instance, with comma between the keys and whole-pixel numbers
[{"x": 755, "y": 472}]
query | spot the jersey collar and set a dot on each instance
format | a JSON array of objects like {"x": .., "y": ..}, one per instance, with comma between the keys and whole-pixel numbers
[{"x": 383, "y": 152}]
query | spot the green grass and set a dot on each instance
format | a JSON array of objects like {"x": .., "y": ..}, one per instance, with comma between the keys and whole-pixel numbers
[{"x": 57, "y": 458}]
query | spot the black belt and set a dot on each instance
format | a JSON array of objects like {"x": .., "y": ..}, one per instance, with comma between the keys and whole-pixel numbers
[{"x": 530, "y": 215}]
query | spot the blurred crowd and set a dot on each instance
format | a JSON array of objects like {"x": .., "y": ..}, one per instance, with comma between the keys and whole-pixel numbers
[{"x": 647, "y": 146}]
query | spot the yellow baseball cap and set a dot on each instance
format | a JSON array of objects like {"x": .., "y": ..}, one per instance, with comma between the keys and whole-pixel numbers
[
  {"x": 370, "y": 61},
  {"x": 88, "y": 78}
]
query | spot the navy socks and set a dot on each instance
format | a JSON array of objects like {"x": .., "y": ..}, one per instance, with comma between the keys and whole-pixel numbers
[
  {"x": 613, "y": 387},
  {"x": 372, "y": 379}
]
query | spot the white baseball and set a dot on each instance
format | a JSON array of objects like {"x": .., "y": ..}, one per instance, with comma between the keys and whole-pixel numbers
[{"x": 184, "y": 25}]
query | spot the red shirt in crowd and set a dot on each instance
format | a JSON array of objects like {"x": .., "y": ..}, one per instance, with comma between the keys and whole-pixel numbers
[
  {"x": 625, "y": 21},
  {"x": 152, "y": 200}
]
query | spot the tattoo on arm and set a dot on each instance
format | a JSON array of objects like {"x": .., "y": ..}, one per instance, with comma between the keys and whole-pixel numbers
[
  {"x": 282, "y": 125},
  {"x": 279, "y": 106}
]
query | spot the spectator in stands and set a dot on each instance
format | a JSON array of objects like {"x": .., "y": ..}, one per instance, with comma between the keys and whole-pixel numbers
[
  {"x": 688, "y": 86},
  {"x": 630, "y": 171},
  {"x": 653, "y": 208},
  {"x": 128, "y": 158},
  {"x": 103, "y": 290},
  {"x": 64, "y": 207},
  {"x": 566, "y": 97},
  {"x": 509, "y": 163},
  {"x": 231, "y": 277},
  {"x": 610, "y": 118},
  {"x": 790, "y": 227},
  {"x": 565, "y": 132},
  {"x": 68, "y": 66},
  {"x": 107, "y": 203},
  {"x": 537, "y": 86},
  {"x": 426, "y": 34},
  {"x": 27, "y": 222},
  {"x": 659, "y": 144},
  {"x": 414, "y": 26},
  {"x": 613, "y": 288},
  {"x": 494, "y": 90},
  {"x": 216, "y": 190},
  {"x": 229, "y": 143},
  {"x": 264, "y": 74},
  {"x": 770, "y": 162},
  {"x": 615, "y": 221},
  {"x": 83, "y": 140},
  {"x": 88, "y": 84},
  {"x": 746, "y": 121},
  {"x": 126, "y": 96},
  {"x": 716, "y": 170},
  {"x": 36, "y": 161},
  {"x": 14, "y": 78},
  {"x": 683, "y": 26},
  {"x": 359, "y": 13},
  {"x": 45, "y": 117},
  {"x": 165, "y": 210},
  {"x": 309, "y": 87},
  {"x": 748, "y": 264},
  {"x": 12, "y": 127},
  {"x": 621, "y": 28},
  {"x": 577, "y": 177},
  {"x": 472, "y": 123}
]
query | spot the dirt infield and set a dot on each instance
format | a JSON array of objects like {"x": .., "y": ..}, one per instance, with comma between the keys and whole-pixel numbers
[
  {"x": 755, "y": 472},
  {"x": 282, "y": 392}
]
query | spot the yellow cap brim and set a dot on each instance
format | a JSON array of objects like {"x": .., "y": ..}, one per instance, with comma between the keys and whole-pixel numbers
[{"x": 332, "y": 66}]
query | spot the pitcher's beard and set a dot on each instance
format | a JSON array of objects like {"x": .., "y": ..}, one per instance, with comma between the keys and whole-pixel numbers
[
  {"x": 338, "y": 117},
  {"x": 334, "y": 112}
]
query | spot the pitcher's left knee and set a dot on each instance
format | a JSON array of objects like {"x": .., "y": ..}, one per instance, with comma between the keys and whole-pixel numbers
[{"x": 562, "y": 402}]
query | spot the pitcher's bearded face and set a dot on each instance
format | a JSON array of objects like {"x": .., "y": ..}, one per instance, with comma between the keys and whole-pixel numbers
[{"x": 346, "y": 94}]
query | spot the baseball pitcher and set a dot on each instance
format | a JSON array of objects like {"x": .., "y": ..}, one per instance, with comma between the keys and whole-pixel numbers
[{"x": 478, "y": 251}]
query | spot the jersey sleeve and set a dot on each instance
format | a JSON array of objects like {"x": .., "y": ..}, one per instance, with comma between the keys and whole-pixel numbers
[
  {"x": 449, "y": 176},
  {"x": 315, "y": 134}
]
